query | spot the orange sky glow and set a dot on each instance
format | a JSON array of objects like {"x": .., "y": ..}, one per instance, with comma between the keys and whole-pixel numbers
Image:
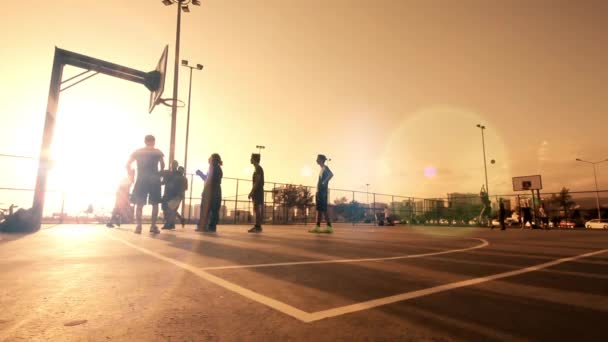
[{"x": 390, "y": 90}]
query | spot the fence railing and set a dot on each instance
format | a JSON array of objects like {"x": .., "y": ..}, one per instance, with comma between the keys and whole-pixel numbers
[{"x": 294, "y": 204}]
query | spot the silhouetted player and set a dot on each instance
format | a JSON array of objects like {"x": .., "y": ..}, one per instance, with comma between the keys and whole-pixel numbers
[
  {"x": 147, "y": 185},
  {"x": 122, "y": 212},
  {"x": 257, "y": 193},
  {"x": 501, "y": 214},
  {"x": 176, "y": 185},
  {"x": 321, "y": 197},
  {"x": 213, "y": 185}
]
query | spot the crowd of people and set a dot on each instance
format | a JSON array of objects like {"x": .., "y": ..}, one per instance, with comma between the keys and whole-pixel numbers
[{"x": 151, "y": 176}]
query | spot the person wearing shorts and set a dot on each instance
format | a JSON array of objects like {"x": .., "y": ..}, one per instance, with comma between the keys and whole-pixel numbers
[
  {"x": 321, "y": 196},
  {"x": 175, "y": 187},
  {"x": 150, "y": 164},
  {"x": 257, "y": 193}
]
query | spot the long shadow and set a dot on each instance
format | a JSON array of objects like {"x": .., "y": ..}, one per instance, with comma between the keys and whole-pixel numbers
[
  {"x": 473, "y": 314},
  {"x": 510, "y": 315},
  {"x": 351, "y": 281},
  {"x": 319, "y": 244}
]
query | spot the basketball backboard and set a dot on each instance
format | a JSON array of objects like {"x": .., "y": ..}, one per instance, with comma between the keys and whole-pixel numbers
[
  {"x": 156, "y": 82},
  {"x": 527, "y": 183}
]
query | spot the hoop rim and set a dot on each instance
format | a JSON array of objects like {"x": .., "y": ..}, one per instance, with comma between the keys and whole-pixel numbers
[{"x": 169, "y": 102}]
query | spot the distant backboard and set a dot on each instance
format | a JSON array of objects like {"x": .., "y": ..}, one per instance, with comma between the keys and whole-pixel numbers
[
  {"x": 157, "y": 79},
  {"x": 527, "y": 183}
]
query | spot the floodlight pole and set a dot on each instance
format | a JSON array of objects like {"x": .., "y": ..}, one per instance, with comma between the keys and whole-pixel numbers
[
  {"x": 260, "y": 148},
  {"x": 597, "y": 193},
  {"x": 197, "y": 67},
  {"x": 175, "y": 82},
  {"x": 182, "y": 5},
  {"x": 485, "y": 165}
]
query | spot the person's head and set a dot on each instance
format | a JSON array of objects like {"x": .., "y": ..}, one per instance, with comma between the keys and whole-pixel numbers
[
  {"x": 215, "y": 159},
  {"x": 181, "y": 170},
  {"x": 255, "y": 158},
  {"x": 321, "y": 158},
  {"x": 149, "y": 140},
  {"x": 174, "y": 165}
]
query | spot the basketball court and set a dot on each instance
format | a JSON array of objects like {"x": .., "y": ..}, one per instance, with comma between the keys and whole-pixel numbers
[{"x": 73, "y": 282}]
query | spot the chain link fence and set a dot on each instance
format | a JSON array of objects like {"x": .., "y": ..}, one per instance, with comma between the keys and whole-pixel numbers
[{"x": 295, "y": 204}]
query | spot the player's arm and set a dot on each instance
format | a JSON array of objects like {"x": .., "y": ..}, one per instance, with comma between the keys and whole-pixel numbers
[
  {"x": 162, "y": 161},
  {"x": 131, "y": 160},
  {"x": 257, "y": 185},
  {"x": 202, "y": 175},
  {"x": 330, "y": 175}
]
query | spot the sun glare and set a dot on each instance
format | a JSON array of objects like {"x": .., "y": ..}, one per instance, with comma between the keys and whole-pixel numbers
[{"x": 89, "y": 157}]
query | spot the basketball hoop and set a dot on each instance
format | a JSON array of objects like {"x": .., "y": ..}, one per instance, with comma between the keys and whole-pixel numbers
[{"x": 169, "y": 102}]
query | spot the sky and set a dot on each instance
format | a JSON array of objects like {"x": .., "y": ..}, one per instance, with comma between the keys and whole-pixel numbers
[{"x": 390, "y": 90}]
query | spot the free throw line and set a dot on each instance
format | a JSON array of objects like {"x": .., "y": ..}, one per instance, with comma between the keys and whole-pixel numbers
[
  {"x": 484, "y": 243},
  {"x": 319, "y": 315}
]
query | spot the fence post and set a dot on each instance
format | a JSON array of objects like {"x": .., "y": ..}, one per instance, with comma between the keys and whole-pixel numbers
[
  {"x": 236, "y": 200},
  {"x": 62, "y": 206},
  {"x": 519, "y": 210},
  {"x": 190, "y": 200},
  {"x": 305, "y": 213},
  {"x": 353, "y": 206},
  {"x": 374, "y": 208},
  {"x": 392, "y": 207},
  {"x": 274, "y": 185}
]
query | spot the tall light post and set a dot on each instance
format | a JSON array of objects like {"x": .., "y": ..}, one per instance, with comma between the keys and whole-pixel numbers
[
  {"x": 597, "y": 194},
  {"x": 260, "y": 148},
  {"x": 182, "y": 5},
  {"x": 197, "y": 67},
  {"x": 485, "y": 165}
]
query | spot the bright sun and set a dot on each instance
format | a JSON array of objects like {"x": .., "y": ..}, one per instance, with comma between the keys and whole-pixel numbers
[{"x": 89, "y": 155}]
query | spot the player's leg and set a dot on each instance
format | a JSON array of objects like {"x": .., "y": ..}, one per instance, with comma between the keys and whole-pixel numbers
[{"x": 155, "y": 200}]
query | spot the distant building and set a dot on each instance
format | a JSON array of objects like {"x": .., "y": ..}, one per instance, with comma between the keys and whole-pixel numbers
[{"x": 456, "y": 199}]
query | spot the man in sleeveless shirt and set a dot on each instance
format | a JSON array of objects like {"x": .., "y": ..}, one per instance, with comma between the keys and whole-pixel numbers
[
  {"x": 257, "y": 193},
  {"x": 150, "y": 163},
  {"x": 321, "y": 197}
]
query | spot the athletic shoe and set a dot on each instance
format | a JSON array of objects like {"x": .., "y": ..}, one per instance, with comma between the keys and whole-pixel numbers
[
  {"x": 255, "y": 230},
  {"x": 109, "y": 225},
  {"x": 154, "y": 229},
  {"x": 316, "y": 229},
  {"x": 165, "y": 227},
  {"x": 138, "y": 229},
  {"x": 328, "y": 230}
]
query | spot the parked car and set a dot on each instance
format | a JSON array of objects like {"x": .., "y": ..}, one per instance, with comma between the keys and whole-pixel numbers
[
  {"x": 508, "y": 222},
  {"x": 566, "y": 224},
  {"x": 597, "y": 224}
]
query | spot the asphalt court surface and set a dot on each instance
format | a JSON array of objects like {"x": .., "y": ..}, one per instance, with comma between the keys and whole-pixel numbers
[{"x": 360, "y": 283}]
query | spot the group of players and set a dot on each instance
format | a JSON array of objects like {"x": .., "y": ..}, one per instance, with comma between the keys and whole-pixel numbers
[{"x": 151, "y": 175}]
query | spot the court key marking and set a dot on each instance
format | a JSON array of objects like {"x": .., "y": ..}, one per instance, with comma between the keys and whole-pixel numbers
[{"x": 309, "y": 317}]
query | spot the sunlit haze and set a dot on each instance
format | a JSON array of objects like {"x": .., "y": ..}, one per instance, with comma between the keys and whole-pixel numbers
[{"x": 391, "y": 91}]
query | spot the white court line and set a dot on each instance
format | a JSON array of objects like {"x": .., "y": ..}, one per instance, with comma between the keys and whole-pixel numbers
[
  {"x": 484, "y": 243},
  {"x": 451, "y": 286},
  {"x": 275, "y": 304},
  {"x": 315, "y": 316}
]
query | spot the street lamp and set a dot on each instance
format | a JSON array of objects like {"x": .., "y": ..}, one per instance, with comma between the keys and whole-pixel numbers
[
  {"x": 485, "y": 167},
  {"x": 182, "y": 5},
  {"x": 260, "y": 148},
  {"x": 197, "y": 67},
  {"x": 597, "y": 195}
]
